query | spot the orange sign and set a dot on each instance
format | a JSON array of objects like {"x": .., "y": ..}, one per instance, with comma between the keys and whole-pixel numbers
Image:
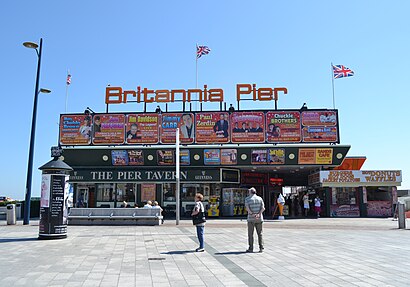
[{"x": 116, "y": 95}]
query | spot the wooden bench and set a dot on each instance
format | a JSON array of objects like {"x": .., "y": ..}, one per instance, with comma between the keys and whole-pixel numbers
[{"x": 114, "y": 216}]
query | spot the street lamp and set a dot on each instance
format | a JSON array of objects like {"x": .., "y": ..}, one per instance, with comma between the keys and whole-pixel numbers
[{"x": 32, "y": 45}]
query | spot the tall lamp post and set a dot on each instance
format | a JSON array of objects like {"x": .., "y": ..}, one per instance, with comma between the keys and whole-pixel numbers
[{"x": 32, "y": 45}]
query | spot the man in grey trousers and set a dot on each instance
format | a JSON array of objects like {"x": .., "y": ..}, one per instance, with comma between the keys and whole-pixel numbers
[{"x": 255, "y": 207}]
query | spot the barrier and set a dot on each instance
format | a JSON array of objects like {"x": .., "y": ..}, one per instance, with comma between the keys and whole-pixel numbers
[{"x": 114, "y": 216}]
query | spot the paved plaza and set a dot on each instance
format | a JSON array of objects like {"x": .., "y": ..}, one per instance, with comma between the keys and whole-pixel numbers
[{"x": 298, "y": 252}]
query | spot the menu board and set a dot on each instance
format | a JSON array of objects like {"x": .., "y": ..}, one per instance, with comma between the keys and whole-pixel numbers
[
  {"x": 283, "y": 127},
  {"x": 142, "y": 129},
  {"x": 212, "y": 127},
  {"x": 247, "y": 127},
  {"x": 148, "y": 191},
  {"x": 110, "y": 130},
  {"x": 75, "y": 130}
]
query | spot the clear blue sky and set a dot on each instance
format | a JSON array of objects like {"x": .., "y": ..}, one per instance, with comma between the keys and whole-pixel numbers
[{"x": 152, "y": 44}]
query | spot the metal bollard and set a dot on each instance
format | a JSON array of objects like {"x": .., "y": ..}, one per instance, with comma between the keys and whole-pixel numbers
[{"x": 402, "y": 215}]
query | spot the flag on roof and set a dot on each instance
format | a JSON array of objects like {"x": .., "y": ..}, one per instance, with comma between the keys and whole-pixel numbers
[
  {"x": 202, "y": 50},
  {"x": 340, "y": 71},
  {"x": 68, "y": 79}
]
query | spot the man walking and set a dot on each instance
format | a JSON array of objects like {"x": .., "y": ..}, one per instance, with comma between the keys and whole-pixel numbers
[{"x": 255, "y": 206}]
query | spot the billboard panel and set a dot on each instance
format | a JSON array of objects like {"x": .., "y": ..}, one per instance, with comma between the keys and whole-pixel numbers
[
  {"x": 142, "y": 129},
  {"x": 212, "y": 127},
  {"x": 75, "y": 130},
  {"x": 247, "y": 127},
  {"x": 169, "y": 124},
  {"x": 111, "y": 129},
  {"x": 283, "y": 127}
]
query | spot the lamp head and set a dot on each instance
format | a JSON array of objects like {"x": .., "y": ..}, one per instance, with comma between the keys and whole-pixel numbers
[
  {"x": 45, "y": 91},
  {"x": 30, "y": 45}
]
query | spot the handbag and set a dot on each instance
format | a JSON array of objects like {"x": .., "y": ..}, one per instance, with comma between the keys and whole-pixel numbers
[{"x": 198, "y": 218}]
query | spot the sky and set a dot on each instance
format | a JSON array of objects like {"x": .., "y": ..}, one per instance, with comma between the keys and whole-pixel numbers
[{"x": 152, "y": 44}]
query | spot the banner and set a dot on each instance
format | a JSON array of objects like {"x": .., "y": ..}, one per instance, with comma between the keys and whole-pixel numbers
[
  {"x": 259, "y": 156},
  {"x": 110, "y": 130},
  {"x": 119, "y": 157},
  {"x": 212, "y": 127},
  {"x": 142, "y": 129},
  {"x": 283, "y": 127},
  {"x": 247, "y": 127}
]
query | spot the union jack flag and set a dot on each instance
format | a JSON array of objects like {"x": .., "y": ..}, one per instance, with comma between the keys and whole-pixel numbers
[
  {"x": 340, "y": 71},
  {"x": 202, "y": 50},
  {"x": 68, "y": 79}
]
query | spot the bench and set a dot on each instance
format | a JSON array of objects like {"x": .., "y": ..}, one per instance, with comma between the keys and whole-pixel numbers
[{"x": 114, "y": 216}]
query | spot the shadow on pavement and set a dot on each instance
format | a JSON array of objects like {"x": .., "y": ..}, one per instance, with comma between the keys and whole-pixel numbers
[
  {"x": 5, "y": 240},
  {"x": 178, "y": 252},
  {"x": 230, "y": 253}
]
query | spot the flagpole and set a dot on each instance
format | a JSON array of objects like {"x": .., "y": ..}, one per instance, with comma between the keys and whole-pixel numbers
[
  {"x": 333, "y": 84},
  {"x": 196, "y": 72},
  {"x": 66, "y": 91}
]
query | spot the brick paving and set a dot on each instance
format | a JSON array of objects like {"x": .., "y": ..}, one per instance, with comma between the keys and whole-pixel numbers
[{"x": 298, "y": 252}]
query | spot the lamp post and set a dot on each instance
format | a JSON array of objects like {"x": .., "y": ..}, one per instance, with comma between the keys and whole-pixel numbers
[{"x": 32, "y": 45}]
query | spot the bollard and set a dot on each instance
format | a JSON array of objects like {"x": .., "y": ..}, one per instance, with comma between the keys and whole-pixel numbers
[
  {"x": 402, "y": 215},
  {"x": 11, "y": 214}
]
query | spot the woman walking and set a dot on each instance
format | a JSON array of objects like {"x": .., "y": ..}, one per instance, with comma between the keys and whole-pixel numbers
[{"x": 198, "y": 218}]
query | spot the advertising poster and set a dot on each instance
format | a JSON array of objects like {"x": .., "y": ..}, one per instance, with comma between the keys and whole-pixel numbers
[
  {"x": 212, "y": 127},
  {"x": 319, "y": 118},
  {"x": 307, "y": 156},
  {"x": 142, "y": 129},
  {"x": 169, "y": 124},
  {"x": 45, "y": 190},
  {"x": 276, "y": 156},
  {"x": 52, "y": 217},
  {"x": 75, "y": 130},
  {"x": 148, "y": 191},
  {"x": 229, "y": 156},
  {"x": 165, "y": 157},
  {"x": 135, "y": 157},
  {"x": 111, "y": 129},
  {"x": 283, "y": 127},
  {"x": 259, "y": 156},
  {"x": 319, "y": 134},
  {"x": 324, "y": 155},
  {"x": 212, "y": 157},
  {"x": 184, "y": 158},
  {"x": 119, "y": 157},
  {"x": 247, "y": 127}
]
